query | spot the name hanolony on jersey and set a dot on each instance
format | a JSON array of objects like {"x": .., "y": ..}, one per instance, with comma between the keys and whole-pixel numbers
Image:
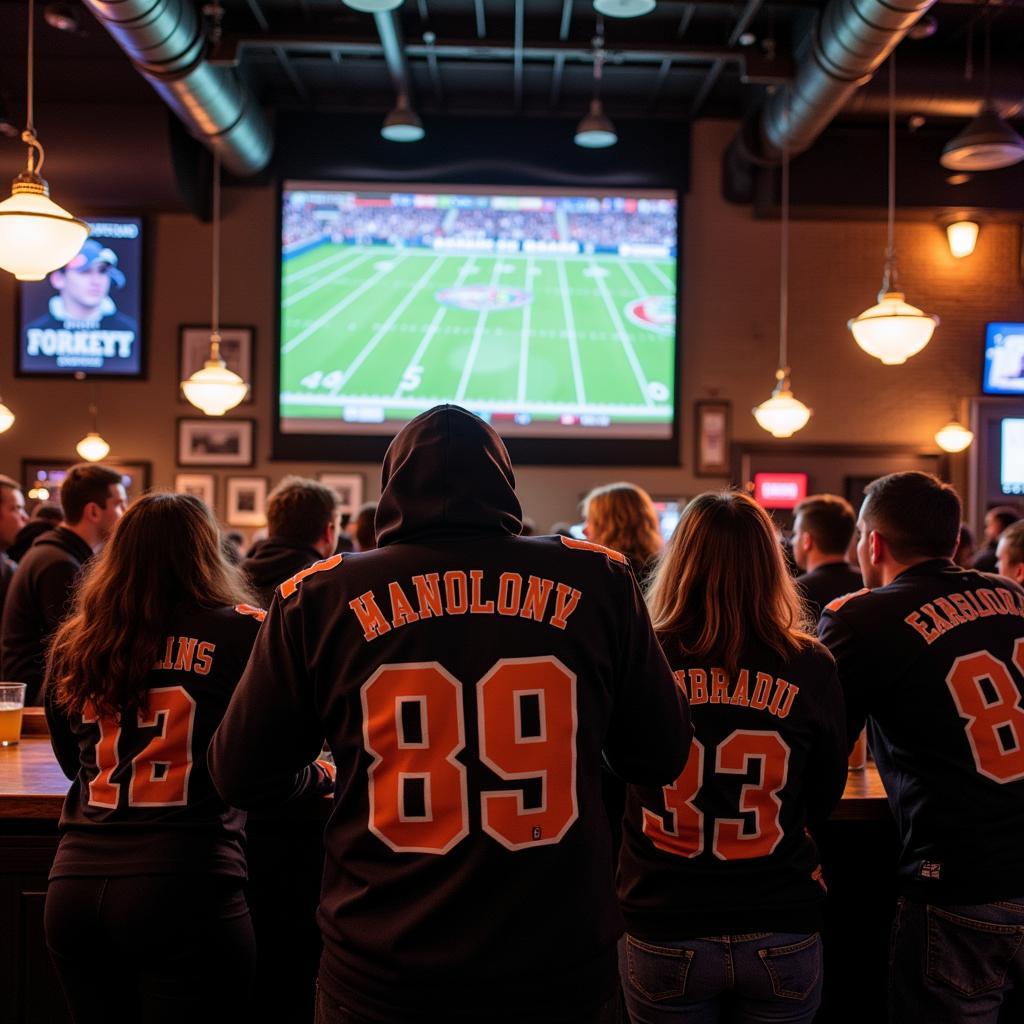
[
  {"x": 465, "y": 593},
  {"x": 942, "y": 614},
  {"x": 757, "y": 690}
]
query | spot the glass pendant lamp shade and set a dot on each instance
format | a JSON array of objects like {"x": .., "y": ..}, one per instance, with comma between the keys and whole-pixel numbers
[
  {"x": 783, "y": 414},
  {"x": 595, "y": 130},
  {"x": 92, "y": 447},
  {"x": 373, "y": 6},
  {"x": 954, "y": 437},
  {"x": 215, "y": 389},
  {"x": 624, "y": 8},
  {"x": 6, "y": 418},
  {"x": 988, "y": 143},
  {"x": 402, "y": 124},
  {"x": 893, "y": 330},
  {"x": 962, "y": 236},
  {"x": 36, "y": 235}
]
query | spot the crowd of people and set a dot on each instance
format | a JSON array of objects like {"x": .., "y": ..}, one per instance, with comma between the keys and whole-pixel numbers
[{"x": 567, "y": 773}]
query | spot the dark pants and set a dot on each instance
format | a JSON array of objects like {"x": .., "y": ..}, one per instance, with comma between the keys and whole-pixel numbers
[
  {"x": 151, "y": 949},
  {"x": 954, "y": 965}
]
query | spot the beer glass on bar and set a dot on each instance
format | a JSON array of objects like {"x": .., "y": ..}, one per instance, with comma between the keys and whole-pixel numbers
[{"x": 12, "y": 703}]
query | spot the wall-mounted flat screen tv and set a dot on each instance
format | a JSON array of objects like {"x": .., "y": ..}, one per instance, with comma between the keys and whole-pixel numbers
[
  {"x": 1011, "y": 458},
  {"x": 1004, "y": 359},
  {"x": 549, "y": 313},
  {"x": 85, "y": 317}
]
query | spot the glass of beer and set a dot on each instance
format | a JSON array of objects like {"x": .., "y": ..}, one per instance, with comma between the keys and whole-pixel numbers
[
  {"x": 859, "y": 755},
  {"x": 12, "y": 703}
]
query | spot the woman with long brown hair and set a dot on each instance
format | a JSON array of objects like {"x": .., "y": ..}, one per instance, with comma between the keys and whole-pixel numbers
[
  {"x": 621, "y": 516},
  {"x": 146, "y": 919},
  {"x": 719, "y": 879}
]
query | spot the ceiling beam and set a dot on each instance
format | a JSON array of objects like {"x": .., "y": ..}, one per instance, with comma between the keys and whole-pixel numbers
[
  {"x": 716, "y": 69},
  {"x": 289, "y": 70}
]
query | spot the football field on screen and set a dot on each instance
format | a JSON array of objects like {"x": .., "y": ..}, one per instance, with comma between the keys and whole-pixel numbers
[{"x": 399, "y": 330}]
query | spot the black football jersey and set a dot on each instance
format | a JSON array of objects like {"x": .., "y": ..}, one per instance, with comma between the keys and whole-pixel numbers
[
  {"x": 141, "y": 800},
  {"x": 467, "y": 681},
  {"x": 724, "y": 849},
  {"x": 935, "y": 659}
]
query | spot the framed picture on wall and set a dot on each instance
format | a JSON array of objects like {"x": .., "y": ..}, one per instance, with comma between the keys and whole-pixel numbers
[
  {"x": 711, "y": 439},
  {"x": 348, "y": 487},
  {"x": 47, "y": 475},
  {"x": 246, "y": 500},
  {"x": 235, "y": 348},
  {"x": 216, "y": 442},
  {"x": 200, "y": 485}
]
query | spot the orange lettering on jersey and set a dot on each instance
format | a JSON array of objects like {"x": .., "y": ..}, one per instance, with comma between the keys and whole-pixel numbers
[
  {"x": 536, "y": 601},
  {"x": 204, "y": 658},
  {"x": 586, "y": 545},
  {"x": 428, "y": 594},
  {"x": 680, "y": 678},
  {"x": 972, "y": 599},
  {"x": 941, "y": 624},
  {"x": 1009, "y": 604},
  {"x": 760, "y": 698},
  {"x": 566, "y": 600},
  {"x": 834, "y": 606},
  {"x": 719, "y": 687},
  {"x": 370, "y": 616},
  {"x": 991, "y": 604},
  {"x": 949, "y": 611},
  {"x": 186, "y": 652},
  {"x": 966, "y": 609},
  {"x": 510, "y": 590},
  {"x": 168, "y": 661},
  {"x": 290, "y": 586},
  {"x": 477, "y": 606},
  {"x": 698, "y": 686},
  {"x": 251, "y": 610},
  {"x": 787, "y": 702},
  {"x": 401, "y": 609},
  {"x": 739, "y": 693},
  {"x": 780, "y": 688},
  {"x": 930, "y": 635},
  {"x": 456, "y": 587}
]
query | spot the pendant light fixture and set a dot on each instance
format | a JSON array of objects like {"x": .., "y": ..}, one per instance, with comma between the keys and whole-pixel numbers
[
  {"x": 783, "y": 414},
  {"x": 893, "y": 330},
  {"x": 93, "y": 447},
  {"x": 214, "y": 389},
  {"x": 36, "y": 235},
  {"x": 402, "y": 124},
  {"x": 954, "y": 436},
  {"x": 595, "y": 130},
  {"x": 6, "y": 418}
]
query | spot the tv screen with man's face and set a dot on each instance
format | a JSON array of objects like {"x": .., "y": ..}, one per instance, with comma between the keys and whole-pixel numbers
[{"x": 85, "y": 317}]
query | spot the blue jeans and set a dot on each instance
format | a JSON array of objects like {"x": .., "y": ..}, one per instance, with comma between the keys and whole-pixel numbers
[
  {"x": 743, "y": 979},
  {"x": 956, "y": 964}
]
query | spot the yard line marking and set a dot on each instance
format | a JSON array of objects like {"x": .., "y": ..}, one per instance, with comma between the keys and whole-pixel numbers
[
  {"x": 570, "y": 326},
  {"x": 386, "y": 326},
  {"x": 329, "y": 260},
  {"x": 339, "y": 306},
  {"x": 660, "y": 274},
  {"x": 323, "y": 282},
  {"x": 625, "y": 341},
  {"x": 474, "y": 347},
  {"x": 524, "y": 337},
  {"x": 421, "y": 350},
  {"x": 641, "y": 291}
]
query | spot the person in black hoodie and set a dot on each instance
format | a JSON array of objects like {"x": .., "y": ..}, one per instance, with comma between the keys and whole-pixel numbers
[
  {"x": 40, "y": 594},
  {"x": 468, "y": 681},
  {"x": 302, "y": 520}
]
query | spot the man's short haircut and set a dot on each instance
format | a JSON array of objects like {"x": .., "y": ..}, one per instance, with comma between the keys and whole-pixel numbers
[
  {"x": 1004, "y": 515},
  {"x": 363, "y": 527},
  {"x": 9, "y": 482},
  {"x": 86, "y": 483},
  {"x": 1012, "y": 538},
  {"x": 830, "y": 520},
  {"x": 916, "y": 513},
  {"x": 299, "y": 510}
]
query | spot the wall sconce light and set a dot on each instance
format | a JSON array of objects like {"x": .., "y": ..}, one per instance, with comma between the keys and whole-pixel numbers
[{"x": 962, "y": 236}]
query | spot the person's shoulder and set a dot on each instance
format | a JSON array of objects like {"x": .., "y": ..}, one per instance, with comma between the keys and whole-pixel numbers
[
  {"x": 857, "y": 602},
  {"x": 587, "y": 549},
  {"x": 322, "y": 573}
]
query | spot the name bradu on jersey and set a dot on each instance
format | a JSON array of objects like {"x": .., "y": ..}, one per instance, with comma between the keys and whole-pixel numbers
[
  {"x": 757, "y": 690},
  {"x": 460, "y": 593}
]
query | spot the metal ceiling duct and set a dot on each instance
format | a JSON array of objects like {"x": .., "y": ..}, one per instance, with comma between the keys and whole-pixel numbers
[{"x": 165, "y": 41}]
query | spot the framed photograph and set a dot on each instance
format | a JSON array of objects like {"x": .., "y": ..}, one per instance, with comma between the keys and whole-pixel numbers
[
  {"x": 235, "y": 348},
  {"x": 711, "y": 439},
  {"x": 216, "y": 442},
  {"x": 246, "y": 500},
  {"x": 200, "y": 485},
  {"x": 46, "y": 475},
  {"x": 349, "y": 488}
]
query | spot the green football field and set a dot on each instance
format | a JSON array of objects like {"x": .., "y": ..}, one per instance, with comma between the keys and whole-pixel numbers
[{"x": 364, "y": 331}]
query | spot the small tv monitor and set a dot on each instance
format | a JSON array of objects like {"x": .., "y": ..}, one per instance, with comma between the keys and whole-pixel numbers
[
  {"x": 1011, "y": 458},
  {"x": 780, "y": 490},
  {"x": 668, "y": 516},
  {"x": 85, "y": 317},
  {"x": 1004, "y": 359}
]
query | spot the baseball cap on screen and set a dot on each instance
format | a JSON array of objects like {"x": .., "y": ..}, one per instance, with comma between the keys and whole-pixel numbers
[{"x": 94, "y": 252}]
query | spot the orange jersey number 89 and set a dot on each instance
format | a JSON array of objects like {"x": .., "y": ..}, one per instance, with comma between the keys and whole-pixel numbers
[{"x": 414, "y": 726}]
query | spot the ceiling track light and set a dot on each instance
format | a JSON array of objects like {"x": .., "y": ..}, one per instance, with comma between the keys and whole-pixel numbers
[
  {"x": 36, "y": 235},
  {"x": 403, "y": 123},
  {"x": 893, "y": 330},
  {"x": 595, "y": 130}
]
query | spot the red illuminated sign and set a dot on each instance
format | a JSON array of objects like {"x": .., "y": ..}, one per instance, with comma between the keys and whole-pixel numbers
[{"x": 780, "y": 490}]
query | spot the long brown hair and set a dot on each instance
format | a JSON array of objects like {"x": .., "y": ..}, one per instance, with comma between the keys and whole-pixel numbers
[
  {"x": 621, "y": 516},
  {"x": 723, "y": 580},
  {"x": 165, "y": 554}
]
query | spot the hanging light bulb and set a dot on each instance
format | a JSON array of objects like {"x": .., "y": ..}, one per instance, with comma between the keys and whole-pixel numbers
[
  {"x": 36, "y": 235},
  {"x": 783, "y": 415},
  {"x": 93, "y": 447},
  {"x": 595, "y": 130},
  {"x": 962, "y": 236},
  {"x": 6, "y": 418},
  {"x": 892, "y": 330},
  {"x": 954, "y": 437},
  {"x": 214, "y": 389}
]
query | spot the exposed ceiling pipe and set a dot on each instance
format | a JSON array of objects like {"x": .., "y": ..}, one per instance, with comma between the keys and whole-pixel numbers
[
  {"x": 166, "y": 43},
  {"x": 390, "y": 32}
]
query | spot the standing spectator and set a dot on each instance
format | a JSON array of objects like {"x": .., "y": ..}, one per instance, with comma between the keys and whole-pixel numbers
[
  {"x": 302, "y": 524},
  {"x": 622, "y": 517},
  {"x": 931, "y": 656},
  {"x": 964, "y": 554},
  {"x": 40, "y": 594},
  {"x": 996, "y": 520},
  {"x": 12, "y": 519},
  {"x": 363, "y": 528},
  {"x": 468, "y": 681},
  {"x": 719, "y": 879},
  {"x": 1010, "y": 552},
  {"x": 45, "y": 516},
  {"x": 823, "y": 527}
]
